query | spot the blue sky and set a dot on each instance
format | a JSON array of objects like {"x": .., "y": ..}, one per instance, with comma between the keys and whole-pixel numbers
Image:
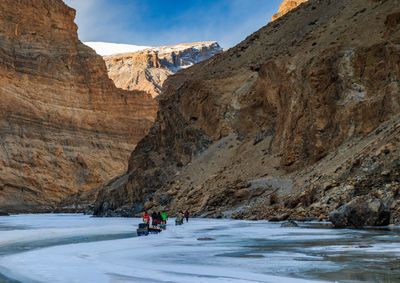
[{"x": 164, "y": 22}]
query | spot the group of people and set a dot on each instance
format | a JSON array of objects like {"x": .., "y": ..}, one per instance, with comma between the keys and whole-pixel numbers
[
  {"x": 161, "y": 218},
  {"x": 157, "y": 218}
]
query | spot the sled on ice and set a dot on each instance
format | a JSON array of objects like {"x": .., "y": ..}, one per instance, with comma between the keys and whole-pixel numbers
[{"x": 144, "y": 229}]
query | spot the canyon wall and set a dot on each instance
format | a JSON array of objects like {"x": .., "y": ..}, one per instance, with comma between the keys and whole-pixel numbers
[
  {"x": 64, "y": 127},
  {"x": 296, "y": 120},
  {"x": 146, "y": 70},
  {"x": 286, "y": 7}
]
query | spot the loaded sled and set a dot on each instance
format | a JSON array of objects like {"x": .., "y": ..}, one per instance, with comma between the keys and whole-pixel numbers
[{"x": 144, "y": 229}]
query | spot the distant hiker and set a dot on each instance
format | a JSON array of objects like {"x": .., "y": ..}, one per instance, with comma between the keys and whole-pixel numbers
[
  {"x": 154, "y": 218},
  {"x": 159, "y": 218},
  {"x": 179, "y": 218},
  {"x": 146, "y": 218},
  {"x": 187, "y": 214},
  {"x": 164, "y": 217}
]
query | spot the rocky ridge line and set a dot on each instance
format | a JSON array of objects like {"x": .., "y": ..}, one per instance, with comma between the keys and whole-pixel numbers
[
  {"x": 146, "y": 70},
  {"x": 287, "y": 6}
]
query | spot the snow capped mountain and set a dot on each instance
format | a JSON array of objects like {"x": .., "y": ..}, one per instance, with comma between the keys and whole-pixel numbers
[
  {"x": 186, "y": 50},
  {"x": 106, "y": 48},
  {"x": 146, "y": 69},
  {"x": 184, "y": 55}
]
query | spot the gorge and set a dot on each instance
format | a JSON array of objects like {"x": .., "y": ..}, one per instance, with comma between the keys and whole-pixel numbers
[
  {"x": 66, "y": 129},
  {"x": 283, "y": 150},
  {"x": 295, "y": 121}
]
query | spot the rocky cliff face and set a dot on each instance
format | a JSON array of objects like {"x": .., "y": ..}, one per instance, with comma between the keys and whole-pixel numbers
[
  {"x": 295, "y": 121},
  {"x": 287, "y": 6},
  {"x": 64, "y": 126},
  {"x": 147, "y": 70}
]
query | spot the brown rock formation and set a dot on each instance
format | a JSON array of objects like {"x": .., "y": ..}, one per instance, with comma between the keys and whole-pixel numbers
[
  {"x": 148, "y": 69},
  {"x": 295, "y": 120},
  {"x": 286, "y": 7},
  {"x": 64, "y": 126}
]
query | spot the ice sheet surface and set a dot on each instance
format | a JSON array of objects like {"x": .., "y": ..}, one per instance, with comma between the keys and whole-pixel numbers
[{"x": 238, "y": 251}]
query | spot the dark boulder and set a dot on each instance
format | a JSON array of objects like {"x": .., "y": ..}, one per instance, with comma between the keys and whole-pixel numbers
[
  {"x": 2, "y": 213},
  {"x": 361, "y": 211}
]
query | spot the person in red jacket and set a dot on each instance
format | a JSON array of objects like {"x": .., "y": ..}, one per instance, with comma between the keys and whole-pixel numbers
[
  {"x": 146, "y": 218},
  {"x": 187, "y": 214}
]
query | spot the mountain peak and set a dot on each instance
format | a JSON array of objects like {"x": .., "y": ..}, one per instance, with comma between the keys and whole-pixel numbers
[
  {"x": 147, "y": 69},
  {"x": 286, "y": 7}
]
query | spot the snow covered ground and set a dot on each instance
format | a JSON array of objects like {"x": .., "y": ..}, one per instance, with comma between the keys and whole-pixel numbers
[
  {"x": 105, "y": 48},
  {"x": 240, "y": 251}
]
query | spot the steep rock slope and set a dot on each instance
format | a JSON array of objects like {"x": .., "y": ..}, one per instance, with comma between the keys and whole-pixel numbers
[
  {"x": 296, "y": 120},
  {"x": 64, "y": 126},
  {"x": 286, "y": 7},
  {"x": 146, "y": 70}
]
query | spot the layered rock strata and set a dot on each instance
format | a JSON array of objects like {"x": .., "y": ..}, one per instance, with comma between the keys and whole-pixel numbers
[{"x": 64, "y": 127}]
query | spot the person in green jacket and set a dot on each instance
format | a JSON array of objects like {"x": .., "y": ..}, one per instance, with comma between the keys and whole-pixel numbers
[{"x": 164, "y": 217}]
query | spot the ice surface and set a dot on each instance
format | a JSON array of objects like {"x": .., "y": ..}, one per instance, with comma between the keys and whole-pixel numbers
[
  {"x": 241, "y": 251},
  {"x": 35, "y": 227}
]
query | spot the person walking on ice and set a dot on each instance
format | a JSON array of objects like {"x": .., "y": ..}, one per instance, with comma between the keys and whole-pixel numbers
[
  {"x": 187, "y": 214},
  {"x": 164, "y": 217},
  {"x": 146, "y": 218}
]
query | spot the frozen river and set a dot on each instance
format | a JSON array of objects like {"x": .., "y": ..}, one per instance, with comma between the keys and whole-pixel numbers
[{"x": 78, "y": 248}]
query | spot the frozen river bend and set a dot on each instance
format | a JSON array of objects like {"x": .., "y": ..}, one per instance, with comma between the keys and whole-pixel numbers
[{"x": 78, "y": 248}]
